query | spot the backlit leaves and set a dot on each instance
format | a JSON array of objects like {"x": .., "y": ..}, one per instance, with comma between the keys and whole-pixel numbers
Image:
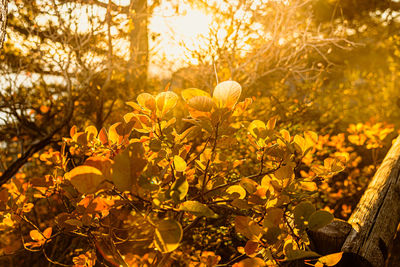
[
  {"x": 180, "y": 188},
  {"x": 147, "y": 101},
  {"x": 198, "y": 209},
  {"x": 227, "y": 94},
  {"x": 329, "y": 260},
  {"x": 247, "y": 227},
  {"x": 165, "y": 101},
  {"x": 85, "y": 179},
  {"x": 165, "y": 174},
  {"x": 179, "y": 164},
  {"x": 236, "y": 191},
  {"x": 190, "y": 93},
  {"x": 39, "y": 238},
  {"x": 168, "y": 235},
  {"x": 127, "y": 167}
]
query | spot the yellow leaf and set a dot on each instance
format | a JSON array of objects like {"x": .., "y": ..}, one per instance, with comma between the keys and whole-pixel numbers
[
  {"x": 47, "y": 232},
  {"x": 331, "y": 259},
  {"x": 91, "y": 132},
  {"x": 165, "y": 101},
  {"x": 227, "y": 94},
  {"x": 201, "y": 103},
  {"x": 179, "y": 164},
  {"x": 250, "y": 262},
  {"x": 188, "y": 94},
  {"x": 301, "y": 143},
  {"x": 128, "y": 166},
  {"x": 72, "y": 131},
  {"x": 271, "y": 123},
  {"x": 168, "y": 235},
  {"x": 146, "y": 101},
  {"x": 113, "y": 134},
  {"x": 85, "y": 179},
  {"x": 36, "y": 235},
  {"x": 238, "y": 190}
]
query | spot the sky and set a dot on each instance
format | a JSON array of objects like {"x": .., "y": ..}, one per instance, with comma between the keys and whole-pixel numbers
[{"x": 188, "y": 27}]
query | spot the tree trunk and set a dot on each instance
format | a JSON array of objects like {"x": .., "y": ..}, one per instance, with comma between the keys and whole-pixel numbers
[
  {"x": 139, "y": 46},
  {"x": 3, "y": 21}
]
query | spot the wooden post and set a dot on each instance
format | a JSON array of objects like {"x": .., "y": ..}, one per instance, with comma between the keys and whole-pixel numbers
[
  {"x": 367, "y": 236},
  {"x": 377, "y": 215}
]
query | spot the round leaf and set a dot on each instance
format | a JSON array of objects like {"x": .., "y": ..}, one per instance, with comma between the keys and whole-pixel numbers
[
  {"x": 188, "y": 94},
  {"x": 167, "y": 236},
  {"x": 128, "y": 166},
  {"x": 250, "y": 262},
  {"x": 147, "y": 101},
  {"x": 85, "y": 179},
  {"x": 181, "y": 186},
  {"x": 165, "y": 101},
  {"x": 201, "y": 103},
  {"x": 198, "y": 209},
  {"x": 302, "y": 212},
  {"x": 227, "y": 94},
  {"x": 319, "y": 219},
  {"x": 238, "y": 190},
  {"x": 179, "y": 164},
  {"x": 331, "y": 259}
]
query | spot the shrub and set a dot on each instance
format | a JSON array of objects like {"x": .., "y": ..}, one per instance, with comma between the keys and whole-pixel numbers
[{"x": 146, "y": 192}]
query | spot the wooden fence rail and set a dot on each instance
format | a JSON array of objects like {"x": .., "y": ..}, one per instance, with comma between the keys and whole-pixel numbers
[{"x": 367, "y": 236}]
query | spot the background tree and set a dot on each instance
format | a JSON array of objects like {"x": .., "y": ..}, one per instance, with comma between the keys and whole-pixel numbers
[
  {"x": 81, "y": 58},
  {"x": 3, "y": 20}
]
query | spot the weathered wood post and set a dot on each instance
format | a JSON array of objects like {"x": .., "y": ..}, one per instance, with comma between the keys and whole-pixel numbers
[
  {"x": 3, "y": 20},
  {"x": 369, "y": 232},
  {"x": 377, "y": 215}
]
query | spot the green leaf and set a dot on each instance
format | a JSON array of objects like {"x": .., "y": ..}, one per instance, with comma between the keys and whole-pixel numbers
[
  {"x": 179, "y": 164},
  {"x": 272, "y": 234},
  {"x": 319, "y": 219},
  {"x": 198, "y": 209},
  {"x": 168, "y": 235},
  {"x": 302, "y": 212},
  {"x": 181, "y": 186},
  {"x": 293, "y": 253},
  {"x": 247, "y": 227},
  {"x": 127, "y": 167},
  {"x": 273, "y": 217},
  {"x": 285, "y": 172}
]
